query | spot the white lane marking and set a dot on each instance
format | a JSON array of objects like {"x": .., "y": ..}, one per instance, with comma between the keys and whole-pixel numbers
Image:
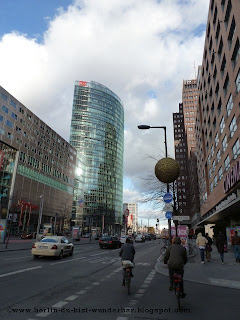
[
  {"x": 97, "y": 254},
  {"x": 122, "y": 318},
  {"x": 19, "y": 271},
  {"x": 60, "y": 304},
  {"x": 18, "y": 258},
  {"x": 52, "y": 264},
  {"x": 43, "y": 314},
  {"x": 71, "y": 298},
  {"x": 81, "y": 292},
  {"x": 96, "y": 283}
]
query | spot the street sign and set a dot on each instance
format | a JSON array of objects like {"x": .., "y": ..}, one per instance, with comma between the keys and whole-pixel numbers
[
  {"x": 168, "y": 207},
  {"x": 168, "y": 215},
  {"x": 167, "y": 198},
  {"x": 181, "y": 218}
]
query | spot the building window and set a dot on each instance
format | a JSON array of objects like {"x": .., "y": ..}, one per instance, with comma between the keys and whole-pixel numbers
[
  {"x": 218, "y": 156},
  {"x": 214, "y": 166},
  {"x": 233, "y": 126},
  {"x": 1, "y": 118},
  {"x": 226, "y": 85},
  {"x": 236, "y": 149},
  {"x": 220, "y": 173},
  {"x": 4, "y": 96},
  {"x": 5, "y": 109},
  {"x": 227, "y": 163},
  {"x": 9, "y": 123},
  {"x": 228, "y": 12},
  {"x": 222, "y": 125},
  {"x": 231, "y": 33},
  {"x": 210, "y": 172},
  {"x": 14, "y": 116},
  {"x": 224, "y": 143},
  {"x": 215, "y": 181},
  {"x": 237, "y": 82},
  {"x": 216, "y": 140},
  {"x": 212, "y": 151},
  {"x": 211, "y": 187},
  {"x": 229, "y": 105},
  {"x": 13, "y": 104}
]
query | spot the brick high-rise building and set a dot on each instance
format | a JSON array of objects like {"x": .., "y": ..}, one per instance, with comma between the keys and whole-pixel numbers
[
  {"x": 218, "y": 116},
  {"x": 185, "y": 151}
]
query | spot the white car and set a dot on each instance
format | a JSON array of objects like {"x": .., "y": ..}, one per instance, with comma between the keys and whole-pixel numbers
[
  {"x": 52, "y": 246},
  {"x": 123, "y": 239},
  {"x": 140, "y": 238}
]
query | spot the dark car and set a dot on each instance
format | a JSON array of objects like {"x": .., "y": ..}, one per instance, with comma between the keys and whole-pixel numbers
[
  {"x": 109, "y": 242},
  {"x": 148, "y": 237},
  {"x": 153, "y": 236}
]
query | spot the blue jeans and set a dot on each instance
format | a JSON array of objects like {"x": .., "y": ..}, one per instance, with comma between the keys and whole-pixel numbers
[
  {"x": 236, "y": 250},
  {"x": 202, "y": 251},
  {"x": 222, "y": 256}
]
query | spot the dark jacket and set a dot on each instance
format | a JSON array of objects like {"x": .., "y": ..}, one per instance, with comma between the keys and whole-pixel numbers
[
  {"x": 235, "y": 240},
  {"x": 127, "y": 252},
  {"x": 210, "y": 242},
  {"x": 176, "y": 257},
  {"x": 220, "y": 242}
]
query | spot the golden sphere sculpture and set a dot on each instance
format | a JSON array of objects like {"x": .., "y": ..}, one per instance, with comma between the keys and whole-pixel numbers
[{"x": 167, "y": 170}]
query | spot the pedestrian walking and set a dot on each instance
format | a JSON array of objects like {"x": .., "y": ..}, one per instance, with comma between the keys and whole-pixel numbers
[
  {"x": 236, "y": 246},
  {"x": 220, "y": 243},
  {"x": 201, "y": 242},
  {"x": 208, "y": 247}
]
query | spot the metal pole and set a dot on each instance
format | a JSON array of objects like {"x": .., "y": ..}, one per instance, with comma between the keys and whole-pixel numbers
[{"x": 40, "y": 216}]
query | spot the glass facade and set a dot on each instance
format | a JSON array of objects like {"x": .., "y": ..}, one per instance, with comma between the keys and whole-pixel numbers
[{"x": 97, "y": 132}]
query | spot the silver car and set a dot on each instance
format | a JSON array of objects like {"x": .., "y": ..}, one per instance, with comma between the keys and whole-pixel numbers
[
  {"x": 52, "y": 246},
  {"x": 140, "y": 238}
]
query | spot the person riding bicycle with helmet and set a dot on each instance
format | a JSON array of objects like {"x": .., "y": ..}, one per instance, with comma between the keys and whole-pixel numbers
[
  {"x": 127, "y": 252},
  {"x": 176, "y": 258}
]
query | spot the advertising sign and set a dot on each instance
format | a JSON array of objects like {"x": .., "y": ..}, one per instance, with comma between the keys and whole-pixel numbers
[
  {"x": 182, "y": 232},
  {"x": 230, "y": 233},
  {"x": 2, "y": 229}
]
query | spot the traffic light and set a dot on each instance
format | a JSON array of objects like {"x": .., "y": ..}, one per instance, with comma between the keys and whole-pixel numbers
[{"x": 157, "y": 220}]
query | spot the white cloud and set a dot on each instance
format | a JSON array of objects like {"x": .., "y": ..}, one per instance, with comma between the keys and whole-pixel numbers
[{"x": 131, "y": 46}]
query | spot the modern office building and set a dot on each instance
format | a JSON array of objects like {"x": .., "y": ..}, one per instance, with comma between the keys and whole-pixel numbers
[
  {"x": 185, "y": 152},
  {"x": 131, "y": 218},
  {"x": 36, "y": 165},
  {"x": 218, "y": 116},
  {"x": 97, "y": 132}
]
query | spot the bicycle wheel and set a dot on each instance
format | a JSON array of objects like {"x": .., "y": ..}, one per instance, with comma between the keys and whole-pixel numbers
[
  {"x": 178, "y": 297},
  {"x": 128, "y": 280}
]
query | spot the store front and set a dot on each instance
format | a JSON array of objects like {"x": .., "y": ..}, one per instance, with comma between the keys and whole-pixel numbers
[{"x": 7, "y": 165}]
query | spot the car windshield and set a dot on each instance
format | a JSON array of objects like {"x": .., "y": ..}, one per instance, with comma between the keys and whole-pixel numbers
[
  {"x": 49, "y": 240},
  {"x": 106, "y": 238}
]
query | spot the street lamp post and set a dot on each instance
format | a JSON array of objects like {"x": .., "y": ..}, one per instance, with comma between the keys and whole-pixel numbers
[
  {"x": 40, "y": 216},
  {"x": 145, "y": 127}
]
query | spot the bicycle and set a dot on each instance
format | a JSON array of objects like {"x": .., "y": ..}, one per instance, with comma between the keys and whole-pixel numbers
[
  {"x": 177, "y": 278},
  {"x": 127, "y": 266},
  {"x": 164, "y": 247}
]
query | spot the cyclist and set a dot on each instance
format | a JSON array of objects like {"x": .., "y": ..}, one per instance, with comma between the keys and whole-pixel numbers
[
  {"x": 127, "y": 252},
  {"x": 176, "y": 258}
]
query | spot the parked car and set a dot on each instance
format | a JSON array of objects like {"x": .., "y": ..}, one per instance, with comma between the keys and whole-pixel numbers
[
  {"x": 139, "y": 238},
  {"x": 109, "y": 242},
  {"x": 52, "y": 246},
  {"x": 158, "y": 236}
]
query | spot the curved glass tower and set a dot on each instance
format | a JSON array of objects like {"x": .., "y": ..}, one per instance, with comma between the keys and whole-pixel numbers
[{"x": 97, "y": 132}]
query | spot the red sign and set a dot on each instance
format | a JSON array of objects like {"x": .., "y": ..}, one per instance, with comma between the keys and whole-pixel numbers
[
  {"x": 1, "y": 158},
  {"x": 82, "y": 83}
]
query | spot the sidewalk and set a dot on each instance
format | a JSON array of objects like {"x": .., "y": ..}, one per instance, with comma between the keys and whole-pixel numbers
[
  {"x": 212, "y": 273},
  {"x": 15, "y": 244}
]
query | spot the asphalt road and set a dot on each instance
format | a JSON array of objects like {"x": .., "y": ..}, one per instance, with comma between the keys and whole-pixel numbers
[{"x": 88, "y": 286}]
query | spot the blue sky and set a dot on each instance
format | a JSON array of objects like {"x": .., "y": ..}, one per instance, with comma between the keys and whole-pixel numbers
[
  {"x": 28, "y": 16},
  {"x": 140, "y": 49}
]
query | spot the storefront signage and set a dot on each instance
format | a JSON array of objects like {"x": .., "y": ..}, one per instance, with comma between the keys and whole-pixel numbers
[
  {"x": 226, "y": 202},
  {"x": 232, "y": 177}
]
